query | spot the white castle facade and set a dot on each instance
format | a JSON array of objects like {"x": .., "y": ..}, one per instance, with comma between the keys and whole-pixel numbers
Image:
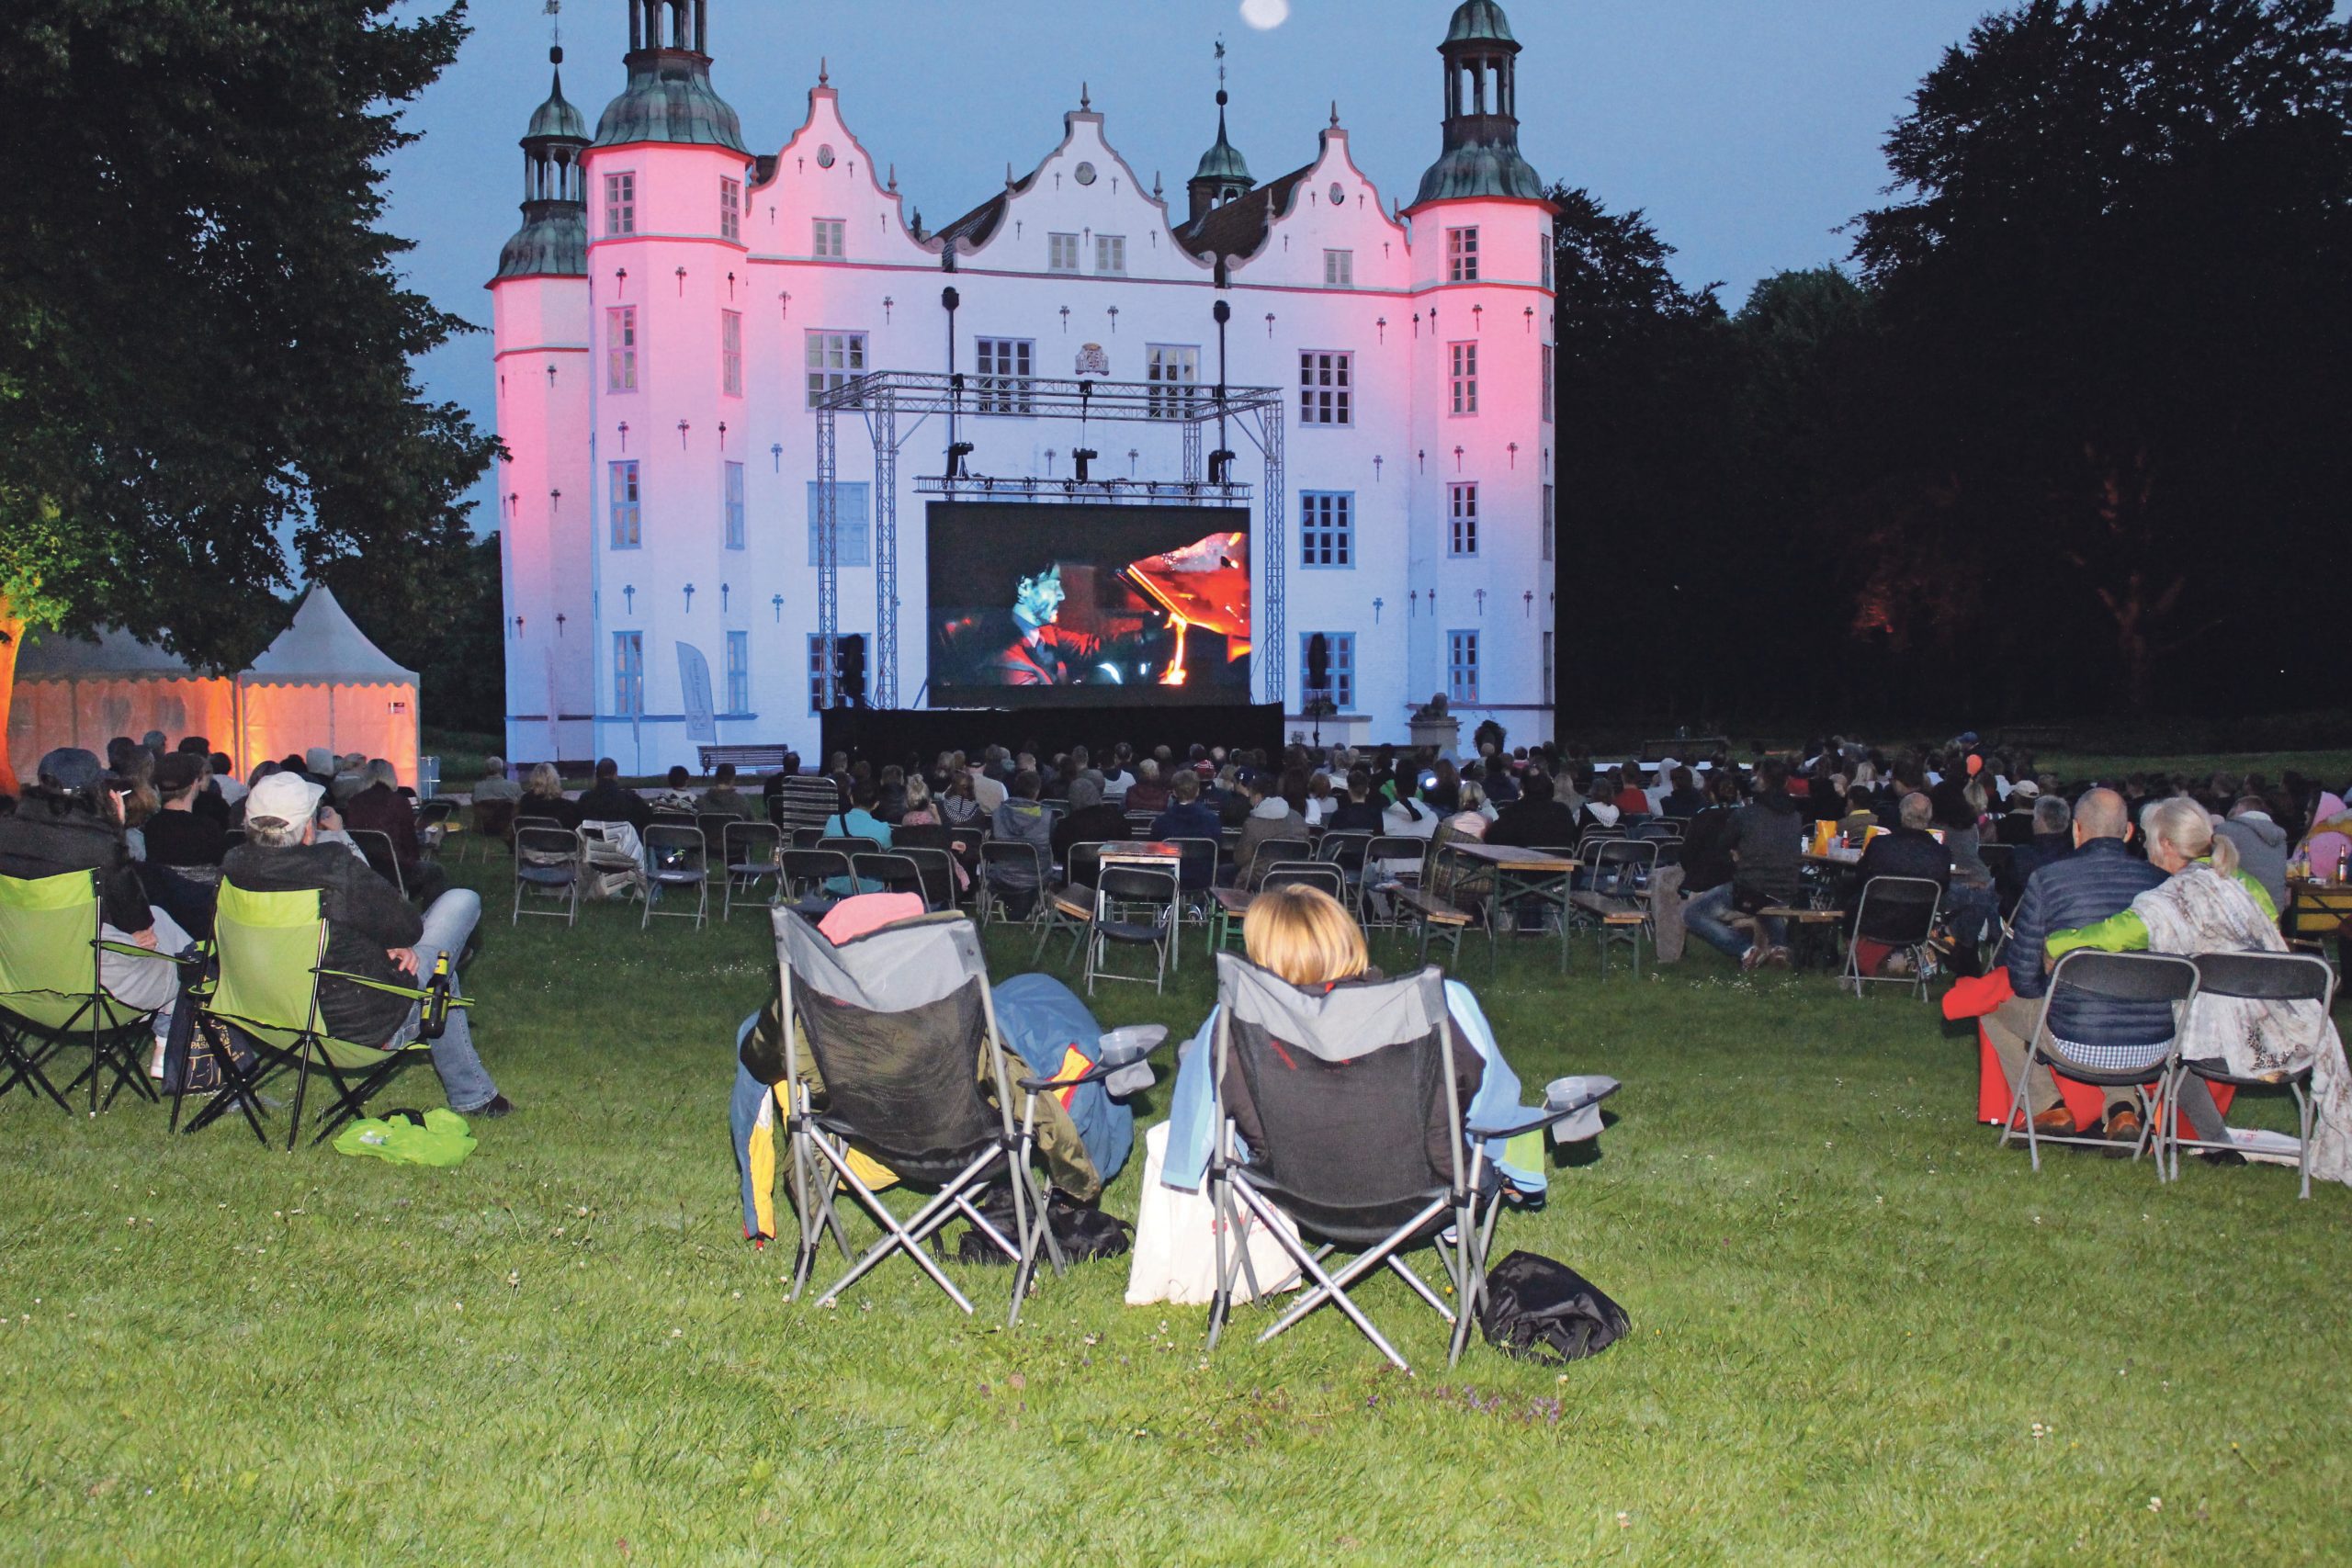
[{"x": 672, "y": 301}]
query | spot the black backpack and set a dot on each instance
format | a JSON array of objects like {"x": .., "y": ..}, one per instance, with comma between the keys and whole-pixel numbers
[
  {"x": 1082, "y": 1233},
  {"x": 1542, "y": 1310}
]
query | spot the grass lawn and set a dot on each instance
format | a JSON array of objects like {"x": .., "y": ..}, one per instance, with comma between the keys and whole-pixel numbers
[
  {"x": 2329, "y": 768},
  {"x": 1851, "y": 1310}
]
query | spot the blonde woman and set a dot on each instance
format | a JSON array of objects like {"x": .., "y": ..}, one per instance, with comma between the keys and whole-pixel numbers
[
  {"x": 1304, "y": 936},
  {"x": 2208, "y": 904}
]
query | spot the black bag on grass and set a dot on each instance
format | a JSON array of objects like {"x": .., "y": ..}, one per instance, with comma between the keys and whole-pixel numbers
[
  {"x": 1082, "y": 1233},
  {"x": 1542, "y": 1310}
]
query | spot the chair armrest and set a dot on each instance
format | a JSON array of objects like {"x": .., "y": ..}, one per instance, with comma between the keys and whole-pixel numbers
[
  {"x": 413, "y": 993},
  {"x": 1123, "y": 1056},
  {"x": 1548, "y": 1115}
]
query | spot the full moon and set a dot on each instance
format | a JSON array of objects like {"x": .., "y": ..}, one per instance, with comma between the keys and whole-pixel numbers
[{"x": 1264, "y": 14}]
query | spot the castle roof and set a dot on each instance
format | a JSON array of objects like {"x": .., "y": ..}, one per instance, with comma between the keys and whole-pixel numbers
[
  {"x": 557, "y": 119},
  {"x": 552, "y": 242},
  {"x": 669, "y": 98},
  {"x": 1478, "y": 21}
]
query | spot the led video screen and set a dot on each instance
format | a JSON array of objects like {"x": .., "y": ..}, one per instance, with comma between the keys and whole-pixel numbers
[{"x": 1042, "y": 604}]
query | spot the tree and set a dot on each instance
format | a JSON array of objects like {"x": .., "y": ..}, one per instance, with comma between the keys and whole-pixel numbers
[
  {"x": 443, "y": 618},
  {"x": 2118, "y": 291},
  {"x": 204, "y": 348}
]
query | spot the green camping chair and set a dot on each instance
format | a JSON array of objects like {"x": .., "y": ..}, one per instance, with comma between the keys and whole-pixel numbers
[
  {"x": 51, "y": 998},
  {"x": 273, "y": 951}
]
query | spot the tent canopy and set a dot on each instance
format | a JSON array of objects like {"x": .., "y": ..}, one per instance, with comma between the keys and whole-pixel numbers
[
  {"x": 325, "y": 645},
  {"x": 49, "y": 656}
]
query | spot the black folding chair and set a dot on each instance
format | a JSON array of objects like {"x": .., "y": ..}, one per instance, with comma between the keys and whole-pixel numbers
[
  {"x": 1898, "y": 912},
  {"x": 1307, "y": 874},
  {"x": 547, "y": 861},
  {"x": 675, "y": 857},
  {"x": 1070, "y": 909},
  {"x": 1135, "y": 905},
  {"x": 2301, "y": 981},
  {"x": 1272, "y": 853},
  {"x": 752, "y": 850},
  {"x": 890, "y": 872},
  {"x": 806, "y": 872},
  {"x": 1348, "y": 1100}
]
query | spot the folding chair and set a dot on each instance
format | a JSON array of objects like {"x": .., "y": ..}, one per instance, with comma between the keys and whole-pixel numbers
[
  {"x": 1007, "y": 865},
  {"x": 1344, "y": 1096},
  {"x": 1898, "y": 912},
  {"x": 890, "y": 872},
  {"x": 1617, "y": 905},
  {"x": 376, "y": 845},
  {"x": 52, "y": 997},
  {"x": 486, "y": 822},
  {"x": 2284, "y": 978},
  {"x": 435, "y": 821},
  {"x": 1274, "y": 852},
  {"x": 1196, "y": 876},
  {"x": 676, "y": 856},
  {"x": 751, "y": 851},
  {"x": 936, "y": 871},
  {"x": 1071, "y": 908},
  {"x": 806, "y": 872},
  {"x": 272, "y": 949},
  {"x": 2117, "y": 976},
  {"x": 1121, "y": 893},
  {"x": 1391, "y": 859},
  {"x": 900, "y": 1028},
  {"x": 546, "y": 858},
  {"x": 1307, "y": 874}
]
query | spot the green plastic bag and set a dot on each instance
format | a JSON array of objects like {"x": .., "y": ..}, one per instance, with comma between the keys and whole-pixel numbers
[{"x": 442, "y": 1140}]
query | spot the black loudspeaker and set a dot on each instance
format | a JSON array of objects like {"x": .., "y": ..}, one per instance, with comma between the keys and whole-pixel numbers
[
  {"x": 1318, "y": 665},
  {"x": 849, "y": 675}
]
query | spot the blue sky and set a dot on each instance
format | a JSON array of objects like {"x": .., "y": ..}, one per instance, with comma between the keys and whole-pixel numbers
[{"x": 1747, "y": 129}]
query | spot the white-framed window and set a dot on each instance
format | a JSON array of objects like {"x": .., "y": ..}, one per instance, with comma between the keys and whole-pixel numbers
[
  {"x": 730, "y": 353},
  {"x": 1547, "y": 669},
  {"x": 1548, "y": 503},
  {"x": 1325, "y": 387},
  {"x": 817, "y": 670},
  {"x": 835, "y": 359},
  {"x": 1327, "y": 528},
  {"x": 1062, "y": 253},
  {"x": 620, "y": 203},
  {"x": 1170, "y": 365},
  {"x": 628, "y": 516},
  {"x": 1548, "y": 242},
  {"x": 739, "y": 671},
  {"x": 1461, "y": 667},
  {"x": 1548, "y": 382},
  {"x": 1111, "y": 253},
  {"x": 1006, "y": 366},
  {"x": 1464, "y": 376},
  {"x": 628, "y": 673},
  {"x": 1462, "y": 519},
  {"x": 734, "y": 506},
  {"x": 828, "y": 238},
  {"x": 1342, "y": 647},
  {"x": 1338, "y": 269},
  {"x": 1461, "y": 255},
  {"x": 851, "y": 502},
  {"x": 730, "y": 209},
  {"x": 620, "y": 349}
]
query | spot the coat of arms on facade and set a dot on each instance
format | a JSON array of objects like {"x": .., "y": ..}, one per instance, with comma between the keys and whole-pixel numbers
[{"x": 1093, "y": 361}]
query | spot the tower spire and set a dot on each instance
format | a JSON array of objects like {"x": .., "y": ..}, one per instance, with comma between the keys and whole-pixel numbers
[{"x": 1223, "y": 173}]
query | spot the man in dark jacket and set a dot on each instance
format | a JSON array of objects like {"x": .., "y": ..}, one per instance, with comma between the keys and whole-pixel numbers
[
  {"x": 371, "y": 930},
  {"x": 607, "y": 801},
  {"x": 2099, "y": 879},
  {"x": 1907, "y": 850},
  {"x": 1356, "y": 813},
  {"x": 380, "y": 807},
  {"x": 1768, "y": 854},
  {"x": 1187, "y": 817},
  {"x": 1536, "y": 819},
  {"x": 1090, "y": 819}
]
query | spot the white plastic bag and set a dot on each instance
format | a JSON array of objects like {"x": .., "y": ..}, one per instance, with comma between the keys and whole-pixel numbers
[{"x": 1175, "y": 1251}]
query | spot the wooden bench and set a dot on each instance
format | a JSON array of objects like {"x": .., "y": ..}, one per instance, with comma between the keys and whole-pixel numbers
[
  {"x": 1228, "y": 905},
  {"x": 1615, "y": 920},
  {"x": 758, "y": 759},
  {"x": 1808, "y": 922},
  {"x": 1428, "y": 913}
]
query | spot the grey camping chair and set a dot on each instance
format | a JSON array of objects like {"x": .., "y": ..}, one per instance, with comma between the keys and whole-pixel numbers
[
  {"x": 2144, "y": 1069},
  {"x": 2292, "y": 979},
  {"x": 1350, "y": 1106},
  {"x": 891, "y": 1048}
]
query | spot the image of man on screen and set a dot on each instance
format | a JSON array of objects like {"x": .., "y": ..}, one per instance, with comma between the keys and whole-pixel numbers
[{"x": 1026, "y": 645}]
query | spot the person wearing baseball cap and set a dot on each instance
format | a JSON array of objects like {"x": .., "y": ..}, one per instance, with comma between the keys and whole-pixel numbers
[
  {"x": 70, "y": 821},
  {"x": 371, "y": 930}
]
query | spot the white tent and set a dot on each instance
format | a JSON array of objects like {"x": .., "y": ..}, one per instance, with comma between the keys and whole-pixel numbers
[
  {"x": 323, "y": 683},
  {"x": 320, "y": 684}
]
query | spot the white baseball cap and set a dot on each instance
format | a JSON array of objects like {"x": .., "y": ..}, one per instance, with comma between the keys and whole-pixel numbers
[{"x": 285, "y": 797}]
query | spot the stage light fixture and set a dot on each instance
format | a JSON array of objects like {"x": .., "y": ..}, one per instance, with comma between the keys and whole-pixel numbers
[
  {"x": 956, "y": 455},
  {"x": 1081, "y": 456}
]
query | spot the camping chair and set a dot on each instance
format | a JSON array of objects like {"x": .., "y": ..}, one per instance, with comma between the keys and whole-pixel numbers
[
  {"x": 2117, "y": 976},
  {"x": 382, "y": 858},
  {"x": 1121, "y": 893},
  {"x": 51, "y": 996},
  {"x": 900, "y": 1027},
  {"x": 751, "y": 851},
  {"x": 1343, "y": 1094},
  {"x": 1898, "y": 912},
  {"x": 546, "y": 858},
  {"x": 676, "y": 856},
  {"x": 2253, "y": 977},
  {"x": 273, "y": 949}
]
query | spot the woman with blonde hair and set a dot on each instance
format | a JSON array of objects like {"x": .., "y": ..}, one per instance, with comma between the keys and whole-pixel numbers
[
  {"x": 543, "y": 797},
  {"x": 2209, "y": 904}
]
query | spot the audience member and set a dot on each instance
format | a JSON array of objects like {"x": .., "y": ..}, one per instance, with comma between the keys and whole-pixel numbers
[
  {"x": 1020, "y": 820},
  {"x": 607, "y": 801},
  {"x": 1907, "y": 850},
  {"x": 1186, "y": 816},
  {"x": 1535, "y": 820},
  {"x": 1090, "y": 819},
  {"x": 178, "y": 835},
  {"x": 494, "y": 784},
  {"x": 371, "y": 932},
  {"x": 1768, "y": 856},
  {"x": 543, "y": 798},
  {"x": 2261, "y": 846},
  {"x": 380, "y": 807},
  {"x": 724, "y": 798},
  {"x": 1683, "y": 799},
  {"x": 1706, "y": 843},
  {"x": 1274, "y": 813},
  {"x": 1150, "y": 792}
]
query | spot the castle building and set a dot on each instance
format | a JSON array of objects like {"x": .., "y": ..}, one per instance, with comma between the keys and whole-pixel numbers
[{"x": 672, "y": 301}]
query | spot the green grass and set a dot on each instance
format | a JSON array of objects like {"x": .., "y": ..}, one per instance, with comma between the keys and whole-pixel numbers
[
  {"x": 1850, "y": 1312},
  {"x": 2329, "y": 768}
]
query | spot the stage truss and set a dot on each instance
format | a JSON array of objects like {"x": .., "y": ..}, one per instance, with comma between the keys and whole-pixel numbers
[{"x": 896, "y": 403}]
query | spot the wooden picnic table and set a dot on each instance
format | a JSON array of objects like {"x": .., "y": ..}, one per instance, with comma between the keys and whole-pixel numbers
[{"x": 1545, "y": 876}]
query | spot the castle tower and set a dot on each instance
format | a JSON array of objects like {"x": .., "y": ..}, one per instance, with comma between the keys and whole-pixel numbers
[
  {"x": 1223, "y": 175},
  {"x": 1481, "y": 555},
  {"x": 668, "y": 436},
  {"x": 539, "y": 306}
]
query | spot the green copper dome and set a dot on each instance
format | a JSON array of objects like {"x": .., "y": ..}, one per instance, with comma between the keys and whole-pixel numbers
[
  {"x": 552, "y": 242},
  {"x": 669, "y": 98},
  {"x": 1223, "y": 162},
  {"x": 1480, "y": 21},
  {"x": 556, "y": 118}
]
